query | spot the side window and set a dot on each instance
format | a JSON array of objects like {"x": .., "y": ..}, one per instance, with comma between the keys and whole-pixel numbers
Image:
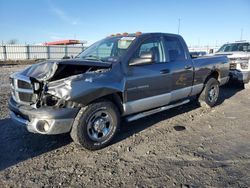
[
  {"x": 246, "y": 47},
  {"x": 153, "y": 46},
  {"x": 174, "y": 49}
]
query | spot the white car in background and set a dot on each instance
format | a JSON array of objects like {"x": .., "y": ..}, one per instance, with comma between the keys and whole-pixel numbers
[{"x": 239, "y": 59}]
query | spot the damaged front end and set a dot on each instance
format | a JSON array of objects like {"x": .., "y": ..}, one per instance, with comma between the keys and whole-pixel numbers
[{"x": 46, "y": 97}]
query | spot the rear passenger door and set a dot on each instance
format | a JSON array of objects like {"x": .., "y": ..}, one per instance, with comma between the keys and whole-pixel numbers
[{"x": 181, "y": 68}]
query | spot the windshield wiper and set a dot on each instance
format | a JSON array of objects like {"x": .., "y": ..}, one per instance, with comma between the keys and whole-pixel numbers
[{"x": 91, "y": 57}]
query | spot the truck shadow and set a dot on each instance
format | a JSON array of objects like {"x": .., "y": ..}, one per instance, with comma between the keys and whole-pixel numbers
[
  {"x": 18, "y": 145},
  {"x": 227, "y": 91},
  {"x": 130, "y": 128}
]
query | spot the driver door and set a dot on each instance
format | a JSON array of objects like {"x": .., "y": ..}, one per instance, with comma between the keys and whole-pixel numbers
[{"x": 148, "y": 85}]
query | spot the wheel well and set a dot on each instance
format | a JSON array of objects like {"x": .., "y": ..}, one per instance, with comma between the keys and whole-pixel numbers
[
  {"x": 116, "y": 98},
  {"x": 214, "y": 74}
]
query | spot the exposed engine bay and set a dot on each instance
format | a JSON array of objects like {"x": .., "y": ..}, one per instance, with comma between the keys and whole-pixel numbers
[{"x": 52, "y": 82}]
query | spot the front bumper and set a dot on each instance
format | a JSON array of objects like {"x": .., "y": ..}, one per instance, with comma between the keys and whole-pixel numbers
[
  {"x": 57, "y": 120},
  {"x": 241, "y": 76}
]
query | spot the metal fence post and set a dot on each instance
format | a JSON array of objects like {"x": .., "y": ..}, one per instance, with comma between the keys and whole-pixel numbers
[
  {"x": 48, "y": 52},
  {"x": 66, "y": 50},
  {"x": 28, "y": 51},
  {"x": 4, "y": 53}
]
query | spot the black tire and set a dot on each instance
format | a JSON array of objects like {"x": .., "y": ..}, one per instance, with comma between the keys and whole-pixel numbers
[
  {"x": 210, "y": 94},
  {"x": 241, "y": 85},
  {"x": 90, "y": 128}
]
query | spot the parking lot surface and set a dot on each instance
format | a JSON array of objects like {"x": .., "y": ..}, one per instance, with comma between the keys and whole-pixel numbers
[{"x": 187, "y": 146}]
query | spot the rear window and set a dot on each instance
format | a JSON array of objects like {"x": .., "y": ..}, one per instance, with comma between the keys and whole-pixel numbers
[{"x": 174, "y": 49}]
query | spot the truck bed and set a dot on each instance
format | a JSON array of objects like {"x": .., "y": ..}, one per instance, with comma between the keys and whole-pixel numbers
[{"x": 205, "y": 64}]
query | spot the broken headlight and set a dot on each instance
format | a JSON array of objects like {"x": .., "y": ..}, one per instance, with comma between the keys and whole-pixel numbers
[
  {"x": 50, "y": 100},
  {"x": 36, "y": 86}
]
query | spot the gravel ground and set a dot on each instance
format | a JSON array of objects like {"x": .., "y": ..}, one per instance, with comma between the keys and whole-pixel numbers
[{"x": 188, "y": 146}]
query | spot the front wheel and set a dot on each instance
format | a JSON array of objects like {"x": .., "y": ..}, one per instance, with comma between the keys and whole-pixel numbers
[
  {"x": 210, "y": 94},
  {"x": 241, "y": 85},
  {"x": 96, "y": 125}
]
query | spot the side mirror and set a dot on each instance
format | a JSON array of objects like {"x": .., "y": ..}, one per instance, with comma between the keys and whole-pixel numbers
[
  {"x": 193, "y": 56},
  {"x": 145, "y": 58},
  {"x": 66, "y": 57}
]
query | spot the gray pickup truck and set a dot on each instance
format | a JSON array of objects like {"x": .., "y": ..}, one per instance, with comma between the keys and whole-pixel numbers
[{"x": 128, "y": 76}]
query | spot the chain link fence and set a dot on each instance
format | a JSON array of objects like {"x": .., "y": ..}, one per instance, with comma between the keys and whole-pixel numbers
[
  {"x": 206, "y": 48},
  {"x": 33, "y": 52}
]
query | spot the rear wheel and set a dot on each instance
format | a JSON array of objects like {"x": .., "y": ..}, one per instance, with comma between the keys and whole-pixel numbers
[
  {"x": 96, "y": 125},
  {"x": 210, "y": 94}
]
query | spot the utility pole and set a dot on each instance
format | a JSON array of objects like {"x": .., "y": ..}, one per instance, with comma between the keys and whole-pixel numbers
[
  {"x": 179, "y": 25},
  {"x": 241, "y": 33}
]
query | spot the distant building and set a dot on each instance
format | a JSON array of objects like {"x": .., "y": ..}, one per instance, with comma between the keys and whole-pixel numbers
[{"x": 65, "y": 42}]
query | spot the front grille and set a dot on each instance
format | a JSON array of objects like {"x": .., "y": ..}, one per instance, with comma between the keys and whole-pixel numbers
[
  {"x": 22, "y": 90},
  {"x": 26, "y": 97},
  {"x": 232, "y": 66}
]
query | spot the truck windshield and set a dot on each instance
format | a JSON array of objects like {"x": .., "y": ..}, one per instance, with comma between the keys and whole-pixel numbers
[
  {"x": 234, "y": 47},
  {"x": 109, "y": 49}
]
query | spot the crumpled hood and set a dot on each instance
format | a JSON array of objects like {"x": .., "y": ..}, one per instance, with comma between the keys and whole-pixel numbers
[{"x": 46, "y": 70}]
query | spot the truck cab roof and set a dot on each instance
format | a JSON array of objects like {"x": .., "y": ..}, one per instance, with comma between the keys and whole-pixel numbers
[{"x": 145, "y": 34}]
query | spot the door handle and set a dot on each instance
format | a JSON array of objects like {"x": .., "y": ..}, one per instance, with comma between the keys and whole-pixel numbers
[
  {"x": 188, "y": 67},
  {"x": 164, "y": 71}
]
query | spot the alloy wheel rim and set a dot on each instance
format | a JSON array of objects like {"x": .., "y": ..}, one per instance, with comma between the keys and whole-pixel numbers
[
  {"x": 99, "y": 125},
  {"x": 213, "y": 93}
]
